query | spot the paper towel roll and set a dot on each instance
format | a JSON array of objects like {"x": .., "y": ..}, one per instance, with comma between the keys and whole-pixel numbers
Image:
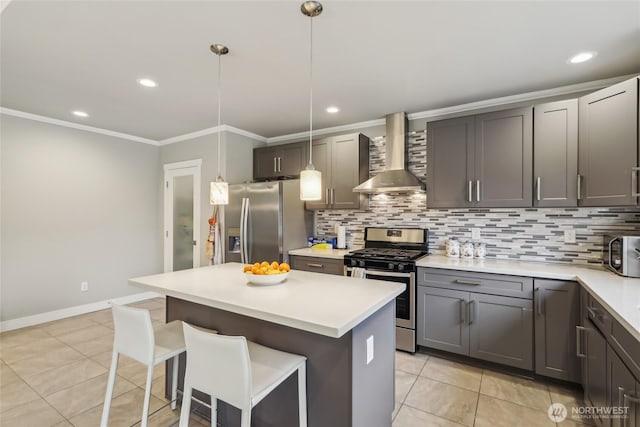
[{"x": 341, "y": 231}]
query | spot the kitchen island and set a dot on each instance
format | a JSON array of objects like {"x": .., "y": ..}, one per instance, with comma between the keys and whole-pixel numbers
[{"x": 329, "y": 319}]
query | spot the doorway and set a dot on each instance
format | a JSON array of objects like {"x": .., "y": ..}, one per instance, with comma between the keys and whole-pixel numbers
[{"x": 182, "y": 215}]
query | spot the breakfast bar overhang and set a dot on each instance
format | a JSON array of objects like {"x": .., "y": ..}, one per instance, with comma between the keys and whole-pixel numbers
[{"x": 344, "y": 326}]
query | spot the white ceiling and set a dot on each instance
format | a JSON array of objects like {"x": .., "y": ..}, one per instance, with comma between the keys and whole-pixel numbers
[{"x": 370, "y": 58}]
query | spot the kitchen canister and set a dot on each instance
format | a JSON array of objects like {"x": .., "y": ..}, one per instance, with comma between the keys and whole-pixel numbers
[
  {"x": 452, "y": 247},
  {"x": 479, "y": 250},
  {"x": 466, "y": 250}
]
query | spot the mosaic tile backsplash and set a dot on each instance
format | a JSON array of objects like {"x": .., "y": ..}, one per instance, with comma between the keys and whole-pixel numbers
[{"x": 531, "y": 234}]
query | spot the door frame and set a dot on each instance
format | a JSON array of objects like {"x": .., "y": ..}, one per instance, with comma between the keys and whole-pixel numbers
[{"x": 171, "y": 170}]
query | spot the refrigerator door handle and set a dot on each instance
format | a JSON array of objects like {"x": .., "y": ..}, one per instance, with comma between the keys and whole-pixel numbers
[
  {"x": 242, "y": 260},
  {"x": 246, "y": 230}
]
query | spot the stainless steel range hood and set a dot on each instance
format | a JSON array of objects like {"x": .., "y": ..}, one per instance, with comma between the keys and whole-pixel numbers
[{"x": 395, "y": 177}]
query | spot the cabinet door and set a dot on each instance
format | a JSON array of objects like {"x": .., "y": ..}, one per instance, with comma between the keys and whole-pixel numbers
[
  {"x": 344, "y": 172},
  {"x": 450, "y": 163},
  {"x": 321, "y": 161},
  {"x": 501, "y": 330},
  {"x": 555, "y": 154},
  {"x": 442, "y": 319},
  {"x": 504, "y": 158},
  {"x": 292, "y": 158},
  {"x": 265, "y": 163},
  {"x": 556, "y": 316},
  {"x": 621, "y": 390},
  {"x": 595, "y": 381},
  {"x": 608, "y": 145}
]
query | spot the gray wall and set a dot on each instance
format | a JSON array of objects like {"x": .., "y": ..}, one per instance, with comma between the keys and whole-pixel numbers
[
  {"x": 236, "y": 167},
  {"x": 76, "y": 206}
]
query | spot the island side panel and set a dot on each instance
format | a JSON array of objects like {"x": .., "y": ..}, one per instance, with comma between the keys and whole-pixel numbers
[
  {"x": 374, "y": 383},
  {"x": 329, "y": 370}
]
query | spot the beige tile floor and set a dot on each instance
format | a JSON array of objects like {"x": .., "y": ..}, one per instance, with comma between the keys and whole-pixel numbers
[{"x": 55, "y": 375}]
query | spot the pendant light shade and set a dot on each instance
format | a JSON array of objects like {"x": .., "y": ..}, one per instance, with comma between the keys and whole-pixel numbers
[
  {"x": 310, "y": 178},
  {"x": 219, "y": 189}
]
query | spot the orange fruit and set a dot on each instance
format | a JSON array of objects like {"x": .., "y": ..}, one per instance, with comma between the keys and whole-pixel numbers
[
  {"x": 257, "y": 264},
  {"x": 285, "y": 267},
  {"x": 264, "y": 264},
  {"x": 275, "y": 265},
  {"x": 247, "y": 268}
]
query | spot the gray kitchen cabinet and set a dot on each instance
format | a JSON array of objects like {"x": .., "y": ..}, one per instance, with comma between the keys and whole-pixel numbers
[
  {"x": 442, "y": 316},
  {"x": 556, "y": 305},
  {"x": 595, "y": 383},
  {"x": 344, "y": 163},
  {"x": 501, "y": 330},
  {"x": 623, "y": 390},
  {"x": 286, "y": 160},
  {"x": 450, "y": 166},
  {"x": 555, "y": 154},
  {"x": 481, "y": 161},
  {"x": 318, "y": 264},
  {"x": 608, "y": 146}
]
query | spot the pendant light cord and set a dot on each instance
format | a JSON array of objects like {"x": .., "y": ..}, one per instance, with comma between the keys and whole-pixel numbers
[
  {"x": 311, "y": 90},
  {"x": 219, "y": 108}
]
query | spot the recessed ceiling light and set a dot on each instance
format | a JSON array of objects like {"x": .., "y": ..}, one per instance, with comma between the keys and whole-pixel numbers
[
  {"x": 147, "y": 82},
  {"x": 80, "y": 113},
  {"x": 582, "y": 57},
  {"x": 332, "y": 109}
]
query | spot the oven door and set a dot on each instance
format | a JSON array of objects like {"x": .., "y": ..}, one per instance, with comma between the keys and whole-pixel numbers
[{"x": 405, "y": 302}]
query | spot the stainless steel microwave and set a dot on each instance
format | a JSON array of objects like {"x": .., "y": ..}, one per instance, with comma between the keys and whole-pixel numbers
[{"x": 622, "y": 255}]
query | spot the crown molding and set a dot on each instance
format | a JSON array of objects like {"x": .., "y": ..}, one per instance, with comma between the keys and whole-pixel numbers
[
  {"x": 209, "y": 131},
  {"x": 64, "y": 123},
  {"x": 325, "y": 131}
]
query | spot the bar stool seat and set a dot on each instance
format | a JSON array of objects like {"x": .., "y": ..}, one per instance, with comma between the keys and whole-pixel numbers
[{"x": 237, "y": 371}]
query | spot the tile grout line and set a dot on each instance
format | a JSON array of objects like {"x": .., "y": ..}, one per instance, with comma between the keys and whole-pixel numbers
[{"x": 475, "y": 416}]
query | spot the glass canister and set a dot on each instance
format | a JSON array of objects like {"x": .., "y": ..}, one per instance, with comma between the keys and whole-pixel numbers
[
  {"x": 452, "y": 247},
  {"x": 479, "y": 250},
  {"x": 466, "y": 250}
]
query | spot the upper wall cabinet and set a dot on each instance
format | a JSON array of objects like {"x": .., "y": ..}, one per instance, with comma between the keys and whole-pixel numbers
[
  {"x": 480, "y": 161},
  {"x": 344, "y": 163},
  {"x": 608, "y": 146},
  {"x": 279, "y": 161},
  {"x": 555, "y": 154}
]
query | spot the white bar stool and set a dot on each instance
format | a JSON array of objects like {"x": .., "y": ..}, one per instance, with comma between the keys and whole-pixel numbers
[
  {"x": 237, "y": 371},
  {"x": 134, "y": 337}
]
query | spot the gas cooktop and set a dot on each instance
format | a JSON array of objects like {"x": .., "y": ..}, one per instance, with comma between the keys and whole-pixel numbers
[{"x": 388, "y": 254}]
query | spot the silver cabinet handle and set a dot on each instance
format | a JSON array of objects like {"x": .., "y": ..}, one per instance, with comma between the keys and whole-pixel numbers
[
  {"x": 634, "y": 181},
  {"x": 593, "y": 312},
  {"x": 473, "y": 315},
  {"x": 538, "y": 181},
  {"x": 333, "y": 196},
  {"x": 326, "y": 196},
  {"x": 467, "y": 282},
  {"x": 470, "y": 191},
  {"x": 463, "y": 311},
  {"x": 314, "y": 265},
  {"x": 279, "y": 164},
  {"x": 537, "y": 300},
  {"x": 579, "y": 353},
  {"x": 275, "y": 164},
  {"x": 579, "y": 187},
  {"x": 478, "y": 190},
  {"x": 625, "y": 402}
]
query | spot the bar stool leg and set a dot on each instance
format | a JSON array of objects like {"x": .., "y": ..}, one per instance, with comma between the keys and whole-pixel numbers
[
  {"x": 174, "y": 383},
  {"x": 110, "y": 384},
  {"x": 302, "y": 395},
  {"x": 147, "y": 396},
  {"x": 186, "y": 406}
]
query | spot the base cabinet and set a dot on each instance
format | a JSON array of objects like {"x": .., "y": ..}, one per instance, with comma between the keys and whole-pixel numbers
[
  {"x": 623, "y": 391},
  {"x": 442, "y": 316},
  {"x": 556, "y": 314},
  {"x": 317, "y": 264}
]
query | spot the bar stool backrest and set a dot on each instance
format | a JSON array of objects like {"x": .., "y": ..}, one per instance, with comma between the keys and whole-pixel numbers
[
  {"x": 219, "y": 365},
  {"x": 133, "y": 333}
]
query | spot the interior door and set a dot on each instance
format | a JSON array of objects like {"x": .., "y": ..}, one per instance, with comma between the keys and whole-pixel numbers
[{"x": 182, "y": 215}]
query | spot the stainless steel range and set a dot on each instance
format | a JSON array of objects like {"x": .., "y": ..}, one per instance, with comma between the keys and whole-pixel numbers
[{"x": 390, "y": 254}]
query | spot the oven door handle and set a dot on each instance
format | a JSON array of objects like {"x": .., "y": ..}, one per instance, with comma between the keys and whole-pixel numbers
[{"x": 385, "y": 273}]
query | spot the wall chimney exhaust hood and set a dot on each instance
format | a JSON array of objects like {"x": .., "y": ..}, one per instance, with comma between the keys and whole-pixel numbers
[{"x": 395, "y": 177}]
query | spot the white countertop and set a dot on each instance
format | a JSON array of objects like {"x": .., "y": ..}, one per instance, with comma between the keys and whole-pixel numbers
[
  {"x": 321, "y": 253},
  {"x": 620, "y": 295},
  {"x": 314, "y": 302}
]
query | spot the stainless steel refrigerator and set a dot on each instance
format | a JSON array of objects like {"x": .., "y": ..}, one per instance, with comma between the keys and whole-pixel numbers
[{"x": 264, "y": 220}]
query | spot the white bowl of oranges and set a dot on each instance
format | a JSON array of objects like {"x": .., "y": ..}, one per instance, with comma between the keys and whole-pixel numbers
[{"x": 266, "y": 273}]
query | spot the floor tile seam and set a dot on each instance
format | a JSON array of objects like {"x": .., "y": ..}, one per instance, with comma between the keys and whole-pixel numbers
[
  {"x": 72, "y": 385},
  {"x": 475, "y": 415},
  {"x": 449, "y": 384},
  {"x": 40, "y": 396},
  {"x": 67, "y": 363},
  {"x": 37, "y": 353},
  {"x": 19, "y": 377},
  {"x": 93, "y": 338},
  {"x": 431, "y": 413},
  {"x": 44, "y": 328}
]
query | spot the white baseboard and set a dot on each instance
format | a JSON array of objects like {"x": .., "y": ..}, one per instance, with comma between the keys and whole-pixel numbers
[{"x": 49, "y": 316}]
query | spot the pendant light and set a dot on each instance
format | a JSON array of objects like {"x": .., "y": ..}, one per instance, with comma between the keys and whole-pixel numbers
[
  {"x": 219, "y": 189},
  {"x": 310, "y": 178}
]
